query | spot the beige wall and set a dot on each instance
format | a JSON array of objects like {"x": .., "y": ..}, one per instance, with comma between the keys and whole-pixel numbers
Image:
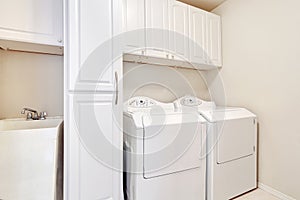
[
  {"x": 261, "y": 71},
  {"x": 32, "y": 80},
  {"x": 162, "y": 83}
]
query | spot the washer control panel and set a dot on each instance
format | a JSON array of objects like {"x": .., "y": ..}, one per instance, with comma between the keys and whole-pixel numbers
[
  {"x": 146, "y": 104},
  {"x": 141, "y": 102}
]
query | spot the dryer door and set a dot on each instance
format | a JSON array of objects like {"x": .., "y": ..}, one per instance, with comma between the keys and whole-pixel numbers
[
  {"x": 172, "y": 143},
  {"x": 235, "y": 139}
]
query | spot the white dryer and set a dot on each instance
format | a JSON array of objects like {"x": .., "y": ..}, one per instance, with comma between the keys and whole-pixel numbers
[
  {"x": 163, "y": 152},
  {"x": 231, "y": 147}
]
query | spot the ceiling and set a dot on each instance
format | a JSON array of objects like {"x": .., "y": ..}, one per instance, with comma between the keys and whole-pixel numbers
[{"x": 204, "y": 4}]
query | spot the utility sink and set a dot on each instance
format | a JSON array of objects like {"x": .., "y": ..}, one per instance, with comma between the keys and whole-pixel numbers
[
  {"x": 31, "y": 155},
  {"x": 23, "y": 124}
]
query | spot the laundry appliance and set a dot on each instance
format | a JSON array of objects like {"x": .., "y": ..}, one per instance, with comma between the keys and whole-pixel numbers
[
  {"x": 231, "y": 147},
  {"x": 163, "y": 152}
]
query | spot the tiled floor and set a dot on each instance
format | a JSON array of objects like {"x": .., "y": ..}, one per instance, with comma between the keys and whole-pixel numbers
[{"x": 257, "y": 194}]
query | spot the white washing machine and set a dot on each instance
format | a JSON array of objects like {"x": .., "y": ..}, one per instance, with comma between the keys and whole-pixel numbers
[
  {"x": 231, "y": 147},
  {"x": 163, "y": 157}
]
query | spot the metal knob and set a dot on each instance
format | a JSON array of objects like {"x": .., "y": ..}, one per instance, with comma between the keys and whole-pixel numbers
[
  {"x": 35, "y": 116},
  {"x": 43, "y": 115},
  {"x": 29, "y": 116}
]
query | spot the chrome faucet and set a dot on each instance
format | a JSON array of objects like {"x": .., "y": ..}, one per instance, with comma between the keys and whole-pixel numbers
[{"x": 33, "y": 114}]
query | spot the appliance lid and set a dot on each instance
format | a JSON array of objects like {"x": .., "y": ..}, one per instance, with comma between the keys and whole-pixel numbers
[
  {"x": 144, "y": 111},
  {"x": 146, "y": 119},
  {"x": 226, "y": 113},
  {"x": 171, "y": 118}
]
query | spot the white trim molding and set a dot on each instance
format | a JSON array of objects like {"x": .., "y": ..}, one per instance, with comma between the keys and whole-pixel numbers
[{"x": 274, "y": 192}]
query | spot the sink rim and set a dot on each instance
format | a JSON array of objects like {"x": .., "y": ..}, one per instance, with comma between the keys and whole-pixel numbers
[{"x": 21, "y": 124}]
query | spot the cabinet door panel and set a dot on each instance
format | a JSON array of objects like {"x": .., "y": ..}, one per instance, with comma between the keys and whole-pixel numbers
[
  {"x": 214, "y": 39},
  {"x": 90, "y": 31},
  {"x": 90, "y": 175},
  {"x": 198, "y": 37},
  {"x": 157, "y": 24},
  {"x": 32, "y": 21},
  {"x": 134, "y": 23},
  {"x": 179, "y": 32}
]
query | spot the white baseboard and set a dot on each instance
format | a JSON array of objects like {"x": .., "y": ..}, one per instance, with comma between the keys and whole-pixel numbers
[{"x": 274, "y": 192}]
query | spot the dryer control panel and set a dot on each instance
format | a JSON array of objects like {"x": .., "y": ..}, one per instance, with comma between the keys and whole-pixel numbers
[{"x": 190, "y": 101}]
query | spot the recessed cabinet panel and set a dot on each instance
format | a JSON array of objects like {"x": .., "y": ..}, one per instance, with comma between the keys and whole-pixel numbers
[
  {"x": 32, "y": 21},
  {"x": 179, "y": 33},
  {"x": 133, "y": 26},
  {"x": 214, "y": 39},
  {"x": 198, "y": 53},
  {"x": 95, "y": 27},
  {"x": 95, "y": 179},
  {"x": 95, "y": 42},
  {"x": 90, "y": 148},
  {"x": 157, "y": 26},
  {"x": 89, "y": 45},
  {"x": 92, "y": 172}
]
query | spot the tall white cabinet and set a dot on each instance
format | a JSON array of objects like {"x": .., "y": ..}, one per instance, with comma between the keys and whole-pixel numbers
[
  {"x": 93, "y": 139},
  {"x": 93, "y": 78}
]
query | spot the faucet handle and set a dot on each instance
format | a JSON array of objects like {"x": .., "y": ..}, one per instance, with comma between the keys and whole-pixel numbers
[
  {"x": 35, "y": 116},
  {"x": 43, "y": 115},
  {"x": 28, "y": 116}
]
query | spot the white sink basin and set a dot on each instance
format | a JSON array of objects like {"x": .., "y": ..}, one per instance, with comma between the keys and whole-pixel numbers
[
  {"x": 23, "y": 124},
  {"x": 31, "y": 159}
]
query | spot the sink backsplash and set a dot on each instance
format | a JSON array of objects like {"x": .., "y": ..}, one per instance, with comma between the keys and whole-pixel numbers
[{"x": 30, "y": 80}]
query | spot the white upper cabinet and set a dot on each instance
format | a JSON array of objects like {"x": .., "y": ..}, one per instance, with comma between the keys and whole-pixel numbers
[
  {"x": 32, "y": 21},
  {"x": 214, "y": 39},
  {"x": 157, "y": 26},
  {"x": 134, "y": 26},
  {"x": 198, "y": 36},
  {"x": 179, "y": 29},
  {"x": 179, "y": 33}
]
